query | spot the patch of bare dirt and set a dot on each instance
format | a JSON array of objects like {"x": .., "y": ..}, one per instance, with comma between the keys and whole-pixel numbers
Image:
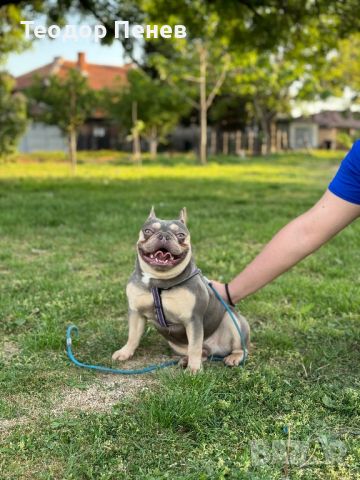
[
  {"x": 101, "y": 396},
  {"x": 14, "y": 422},
  {"x": 9, "y": 349}
]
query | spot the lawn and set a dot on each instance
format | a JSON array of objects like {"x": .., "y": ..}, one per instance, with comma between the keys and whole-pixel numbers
[{"x": 66, "y": 251}]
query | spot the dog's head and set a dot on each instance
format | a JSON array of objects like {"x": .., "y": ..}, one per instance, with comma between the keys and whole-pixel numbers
[{"x": 164, "y": 248}]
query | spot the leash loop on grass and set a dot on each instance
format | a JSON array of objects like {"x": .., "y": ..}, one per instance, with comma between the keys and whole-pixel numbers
[
  {"x": 74, "y": 329},
  {"x": 150, "y": 368}
]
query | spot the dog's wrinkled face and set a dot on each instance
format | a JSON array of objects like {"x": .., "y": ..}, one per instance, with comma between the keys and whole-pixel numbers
[{"x": 164, "y": 244}]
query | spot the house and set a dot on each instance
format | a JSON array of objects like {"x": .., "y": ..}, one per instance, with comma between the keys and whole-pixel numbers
[
  {"x": 320, "y": 130},
  {"x": 98, "y": 132}
]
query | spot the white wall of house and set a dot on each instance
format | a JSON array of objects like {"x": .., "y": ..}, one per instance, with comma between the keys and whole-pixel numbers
[
  {"x": 303, "y": 135},
  {"x": 41, "y": 137}
]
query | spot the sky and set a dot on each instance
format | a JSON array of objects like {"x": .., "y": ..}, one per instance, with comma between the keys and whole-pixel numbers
[{"x": 44, "y": 50}]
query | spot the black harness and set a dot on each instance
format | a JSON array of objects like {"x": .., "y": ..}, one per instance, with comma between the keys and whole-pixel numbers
[{"x": 156, "y": 293}]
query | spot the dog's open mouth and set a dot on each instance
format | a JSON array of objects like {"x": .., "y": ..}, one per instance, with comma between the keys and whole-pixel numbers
[{"x": 162, "y": 257}]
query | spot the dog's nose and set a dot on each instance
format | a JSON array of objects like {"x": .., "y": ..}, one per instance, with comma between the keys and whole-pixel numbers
[{"x": 163, "y": 236}]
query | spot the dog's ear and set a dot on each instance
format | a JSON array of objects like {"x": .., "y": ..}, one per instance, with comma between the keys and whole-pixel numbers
[
  {"x": 183, "y": 215},
  {"x": 152, "y": 214}
]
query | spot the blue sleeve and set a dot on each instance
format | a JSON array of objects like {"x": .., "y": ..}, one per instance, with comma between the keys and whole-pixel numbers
[{"x": 346, "y": 183}]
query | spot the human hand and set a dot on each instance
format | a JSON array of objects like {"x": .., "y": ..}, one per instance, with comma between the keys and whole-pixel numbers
[{"x": 220, "y": 288}]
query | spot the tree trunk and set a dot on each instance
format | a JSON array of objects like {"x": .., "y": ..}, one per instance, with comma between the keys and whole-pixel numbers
[
  {"x": 278, "y": 140},
  {"x": 213, "y": 142},
  {"x": 238, "y": 142},
  {"x": 153, "y": 141},
  {"x": 225, "y": 143},
  {"x": 251, "y": 142},
  {"x": 266, "y": 130},
  {"x": 265, "y": 119},
  {"x": 285, "y": 140},
  {"x": 273, "y": 130},
  {"x": 203, "y": 106},
  {"x": 135, "y": 134},
  {"x": 72, "y": 150}
]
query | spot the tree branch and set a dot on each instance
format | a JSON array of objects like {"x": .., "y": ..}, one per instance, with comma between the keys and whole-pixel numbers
[
  {"x": 184, "y": 96},
  {"x": 189, "y": 78},
  {"x": 88, "y": 5},
  {"x": 217, "y": 86},
  {"x": 251, "y": 8}
]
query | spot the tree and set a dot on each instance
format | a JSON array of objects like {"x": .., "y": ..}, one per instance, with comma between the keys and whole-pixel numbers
[
  {"x": 12, "y": 115},
  {"x": 343, "y": 72},
  {"x": 272, "y": 80},
  {"x": 64, "y": 102},
  {"x": 12, "y": 106},
  {"x": 222, "y": 34},
  {"x": 11, "y": 32},
  {"x": 148, "y": 107},
  {"x": 241, "y": 26},
  {"x": 197, "y": 68}
]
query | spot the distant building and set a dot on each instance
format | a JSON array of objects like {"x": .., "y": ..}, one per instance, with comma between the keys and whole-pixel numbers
[
  {"x": 320, "y": 130},
  {"x": 97, "y": 132}
]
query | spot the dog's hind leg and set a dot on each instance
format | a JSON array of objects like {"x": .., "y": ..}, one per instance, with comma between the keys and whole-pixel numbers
[{"x": 237, "y": 353}]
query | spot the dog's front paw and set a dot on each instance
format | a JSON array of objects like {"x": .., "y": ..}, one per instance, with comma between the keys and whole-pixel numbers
[
  {"x": 123, "y": 354},
  {"x": 194, "y": 367},
  {"x": 183, "y": 362}
]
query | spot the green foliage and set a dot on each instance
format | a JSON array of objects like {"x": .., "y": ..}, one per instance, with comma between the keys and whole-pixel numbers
[
  {"x": 343, "y": 72},
  {"x": 13, "y": 117},
  {"x": 11, "y": 31},
  {"x": 347, "y": 140},
  {"x": 178, "y": 62},
  {"x": 64, "y": 102},
  {"x": 258, "y": 24},
  {"x": 159, "y": 106},
  {"x": 271, "y": 81}
]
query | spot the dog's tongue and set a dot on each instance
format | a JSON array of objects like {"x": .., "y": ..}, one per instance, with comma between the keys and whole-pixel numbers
[{"x": 163, "y": 255}]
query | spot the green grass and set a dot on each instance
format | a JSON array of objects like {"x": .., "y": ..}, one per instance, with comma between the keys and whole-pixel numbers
[{"x": 66, "y": 251}]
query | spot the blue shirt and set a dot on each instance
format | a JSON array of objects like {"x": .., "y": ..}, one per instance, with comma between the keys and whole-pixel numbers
[{"x": 346, "y": 183}]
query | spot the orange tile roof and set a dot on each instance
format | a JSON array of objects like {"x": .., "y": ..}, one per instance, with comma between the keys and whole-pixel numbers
[{"x": 99, "y": 76}]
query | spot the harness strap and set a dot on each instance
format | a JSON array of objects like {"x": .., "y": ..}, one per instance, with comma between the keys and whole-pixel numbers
[
  {"x": 156, "y": 293},
  {"x": 196, "y": 271}
]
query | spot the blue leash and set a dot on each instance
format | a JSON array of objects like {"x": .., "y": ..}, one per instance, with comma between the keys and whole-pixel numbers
[
  {"x": 150, "y": 368},
  {"x": 73, "y": 329}
]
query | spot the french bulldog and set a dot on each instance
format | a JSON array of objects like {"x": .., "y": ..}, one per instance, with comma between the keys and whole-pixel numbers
[{"x": 196, "y": 324}]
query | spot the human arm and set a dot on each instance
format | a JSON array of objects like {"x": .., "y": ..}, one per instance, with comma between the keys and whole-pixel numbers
[{"x": 298, "y": 239}]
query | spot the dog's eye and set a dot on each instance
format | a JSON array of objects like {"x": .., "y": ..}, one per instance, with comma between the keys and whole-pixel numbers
[
  {"x": 180, "y": 236},
  {"x": 147, "y": 231}
]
